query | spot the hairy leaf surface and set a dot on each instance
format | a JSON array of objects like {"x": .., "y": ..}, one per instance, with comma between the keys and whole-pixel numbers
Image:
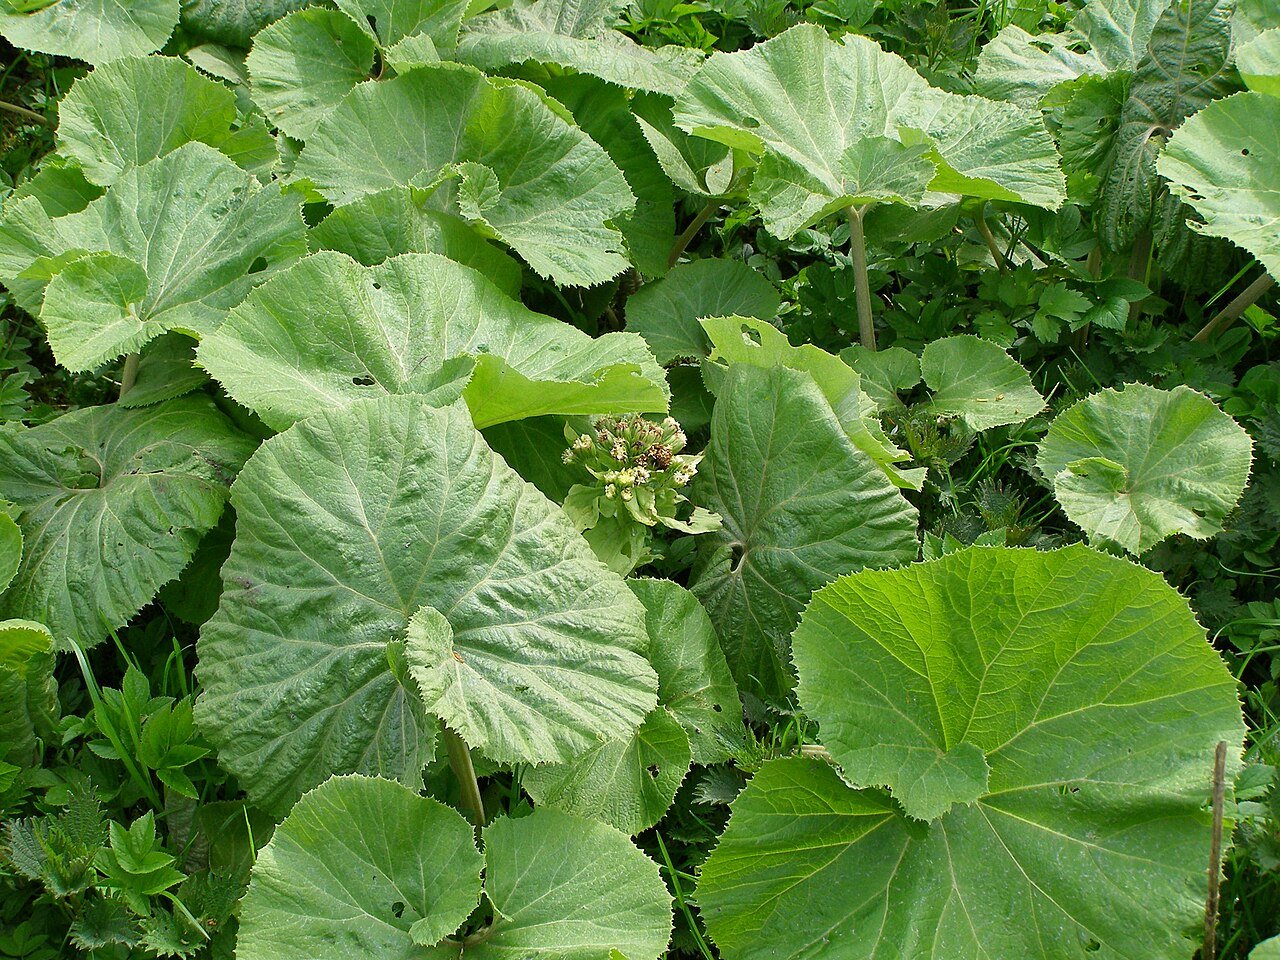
[{"x": 92, "y": 30}]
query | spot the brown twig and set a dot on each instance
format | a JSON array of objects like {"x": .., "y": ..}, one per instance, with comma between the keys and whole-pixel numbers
[{"x": 1210, "y": 949}]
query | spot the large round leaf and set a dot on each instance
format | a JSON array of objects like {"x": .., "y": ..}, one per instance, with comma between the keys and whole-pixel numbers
[
  {"x": 360, "y": 867},
  {"x": 91, "y": 30},
  {"x": 511, "y": 163},
  {"x": 1225, "y": 163},
  {"x": 844, "y": 123},
  {"x": 349, "y": 524},
  {"x": 1138, "y": 464},
  {"x": 234, "y": 22},
  {"x": 1061, "y": 708},
  {"x": 975, "y": 380},
  {"x": 629, "y": 784},
  {"x": 801, "y": 506},
  {"x": 328, "y": 332},
  {"x": 113, "y": 503}
]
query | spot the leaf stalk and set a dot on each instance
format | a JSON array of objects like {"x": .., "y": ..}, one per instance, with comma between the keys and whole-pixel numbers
[
  {"x": 862, "y": 285},
  {"x": 460, "y": 762},
  {"x": 1234, "y": 310}
]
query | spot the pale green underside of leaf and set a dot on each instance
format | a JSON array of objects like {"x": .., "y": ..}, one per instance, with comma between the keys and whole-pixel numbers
[
  {"x": 1259, "y": 62},
  {"x": 745, "y": 340},
  {"x": 537, "y": 183},
  {"x": 801, "y": 506},
  {"x": 977, "y": 381},
  {"x": 93, "y": 30},
  {"x": 577, "y": 34},
  {"x": 191, "y": 224},
  {"x": 1137, "y": 465},
  {"x": 113, "y": 504},
  {"x": 387, "y": 224},
  {"x": 666, "y": 312},
  {"x": 329, "y": 332},
  {"x": 347, "y": 525},
  {"x": 1225, "y": 163},
  {"x": 843, "y": 123},
  {"x": 133, "y": 110},
  {"x": 628, "y": 784},
  {"x": 694, "y": 164},
  {"x": 350, "y": 850},
  {"x": 694, "y": 680}
]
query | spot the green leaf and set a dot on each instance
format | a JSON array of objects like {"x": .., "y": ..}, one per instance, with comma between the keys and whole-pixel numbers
[
  {"x": 133, "y": 110},
  {"x": 234, "y": 22},
  {"x": 166, "y": 369},
  {"x": 801, "y": 506},
  {"x": 743, "y": 340},
  {"x": 390, "y": 21},
  {"x": 847, "y": 123},
  {"x": 361, "y": 866},
  {"x": 113, "y": 504},
  {"x": 569, "y": 889},
  {"x": 201, "y": 230},
  {"x": 386, "y": 224},
  {"x": 577, "y": 34},
  {"x": 666, "y": 312},
  {"x": 1188, "y": 65},
  {"x": 1266, "y": 950},
  {"x": 27, "y": 688},
  {"x": 329, "y": 332},
  {"x": 696, "y": 165},
  {"x": 1259, "y": 62},
  {"x": 1137, "y": 465},
  {"x": 534, "y": 181},
  {"x": 303, "y": 65},
  {"x": 10, "y": 548},
  {"x": 92, "y": 30},
  {"x": 694, "y": 681},
  {"x": 628, "y": 784},
  {"x": 1224, "y": 163},
  {"x": 885, "y": 373},
  {"x": 1088, "y": 685},
  {"x": 351, "y": 522},
  {"x": 978, "y": 382}
]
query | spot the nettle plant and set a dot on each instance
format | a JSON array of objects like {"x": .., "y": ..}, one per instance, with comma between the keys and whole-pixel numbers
[{"x": 311, "y": 259}]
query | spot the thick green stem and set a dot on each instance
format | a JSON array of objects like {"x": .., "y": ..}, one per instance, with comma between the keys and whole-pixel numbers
[
  {"x": 129, "y": 374},
  {"x": 24, "y": 112},
  {"x": 980, "y": 218},
  {"x": 460, "y": 762},
  {"x": 862, "y": 285},
  {"x": 1234, "y": 310},
  {"x": 691, "y": 231}
]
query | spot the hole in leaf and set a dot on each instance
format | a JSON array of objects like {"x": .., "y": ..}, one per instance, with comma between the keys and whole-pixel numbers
[
  {"x": 736, "y": 554},
  {"x": 752, "y": 335},
  {"x": 397, "y": 909},
  {"x": 258, "y": 265},
  {"x": 377, "y": 285},
  {"x": 1092, "y": 946},
  {"x": 716, "y": 708},
  {"x": 1244, "y": 152},
  {"x": 363, "y": 381},
  {"x": 653, "y": 770}
]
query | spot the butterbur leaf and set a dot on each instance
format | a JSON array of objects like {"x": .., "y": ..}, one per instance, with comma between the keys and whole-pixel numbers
[
  {"x": 577, "y": 34},
  {"x": 1088, "y": 687},
  {"x": 694, "y": 681},
  {"x": 302, "y": 66},
  {"x": 801, "y": 506},
  {"x": 742, "y": 340},
  {"x": 92, "y": 30},
  {"x": 1136, "y": 465},
  {"x": 367, "y": 867},
  {"x": 696, "y": 165},
  {"x": 133, "y": 110},
  {"x": 233, "y": 22},
  {"x": 515, "y": 166},
  {"x": 392, "y": 21},
  {"x": 862, "y": 127},
  {"x": 113, "y": 503},
  {"x": 975, "y": 380},
  {"x": 885, "y": 373},
  {"x": 1259, "y": 62},
  {"x": 10, "y": 548},
  {"x": 666, "y": 312},
  {"x": 386, "y": 224},
  {"x": 360, "y": 866},
  {"x": 166, "y": 369},
  {"x": 1225, "y": 163},
  {"x": 418, "y": 324},
  {"x": 201, "y": 230},
  {"x": 27, "y": 688},
  {"x": 350, "y": 523},
  {"x": 629, "y": 784}
]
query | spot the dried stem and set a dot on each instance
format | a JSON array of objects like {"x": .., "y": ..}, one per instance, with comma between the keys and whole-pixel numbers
[
  {"x": 24, "y": 112},
  {"x": 1236, "y": 308},
  {"x": 1210, "y": 949},
  {"x": 862, "y": 285}
]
